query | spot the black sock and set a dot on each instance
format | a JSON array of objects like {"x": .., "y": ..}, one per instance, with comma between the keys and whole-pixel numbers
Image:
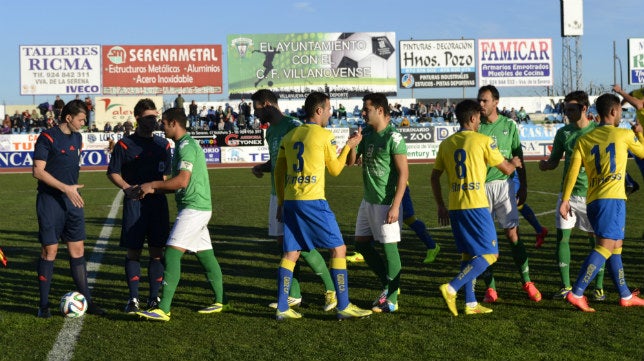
[
  {"x": 79, "y": 275},
  {"x": 155, "y": 274},
  {"x": 45, "y": 273},
  {"x": 133, "y": 275}
]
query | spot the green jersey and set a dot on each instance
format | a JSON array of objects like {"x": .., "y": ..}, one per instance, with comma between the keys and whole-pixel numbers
[
  {"x": 189, "y": 156},
  {"x": 505, "y": 134},
  {"x": 379, "y": 173},
  {"x": 274, "y": 135},
  {"x": 564, "y": 143}
]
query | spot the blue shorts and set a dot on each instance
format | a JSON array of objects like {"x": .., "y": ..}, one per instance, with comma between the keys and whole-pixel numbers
[
  {"x": 309, "y": 225},
  {"x": 608, "y": 218},
  {"x": 58, "y": 219},
  {"x": 407, "y": 205},
  {"x": 143, "y": 218},
  {"x": 474, "y": 231}
]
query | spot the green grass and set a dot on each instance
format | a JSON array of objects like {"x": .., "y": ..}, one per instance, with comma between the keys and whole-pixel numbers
[{"x": 423, "y": 329}]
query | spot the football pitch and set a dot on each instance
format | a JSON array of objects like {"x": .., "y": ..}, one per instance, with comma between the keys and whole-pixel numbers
[{"x": 422, "y": 329}]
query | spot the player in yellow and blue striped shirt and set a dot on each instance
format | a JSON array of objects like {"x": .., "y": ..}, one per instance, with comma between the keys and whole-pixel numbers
[
  {"x": 465, "y": 156},
  {"x": 603, "y": 153},
  {"x": 304, "y": 154}
]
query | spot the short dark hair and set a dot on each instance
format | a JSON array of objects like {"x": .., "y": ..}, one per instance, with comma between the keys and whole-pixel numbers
[
  {"x": 378, "y": 100},
  {"x": 313, "y": 101},
  {"x": 492, "y": 89},
  {"x": 143, "y": 105},
  {"x": 176, "y": 114},
  {"x": 605, "y": 103},
  {"x": 466, "y": 109},
  {"x": 579, "y": 96},
  {"x": 264, "y": 95},
  {"x": 73, "y": 107}
]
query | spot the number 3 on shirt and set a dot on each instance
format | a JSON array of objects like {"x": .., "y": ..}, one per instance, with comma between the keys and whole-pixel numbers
[
  {"x": 299, "y": 147},
  {"x": 610, "y": 149}
]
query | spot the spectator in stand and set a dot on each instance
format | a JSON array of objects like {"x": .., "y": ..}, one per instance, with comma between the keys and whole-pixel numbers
[
  {"x": 93, "y": 128},
  {"x": 212, "y": 118},
  {"x": 193, "y": 114},
  {"x": 6, "y": 124},
  {"x": 241, "y": 114},
  {"x": 108, "y": 127},
  {"x": 438, "y": 110},
  {"x": 118, "y": 128},
  {"x": 413, "y": 109},
  {"x": 50, "y": 113},
  {"x": 256, "y": 123},
  {"x": 219, "y": 113},
  {"x": 16, "y": 121},
  {"x": 559, "y": 108},
  {"x": 449, "y": 113},
  {"x": 422, "y": 111},
  {"x": 26, "y": 116},
  {"x": 522, "y": 116},
  {"x": 50, "y": 122},
  {"x": 229, "y": 121},
  {"x": 90, "y": 114},
  {"x": 342, "y": 112},
  {"x": 58, "y": 107},
  {"x": 203, "y": 116},
  {"x": 35, "y": 117},
  {"x": 178, "y": 102},
  {"x": 512, "y": 114},
  {"x": 128, "y": 127}
]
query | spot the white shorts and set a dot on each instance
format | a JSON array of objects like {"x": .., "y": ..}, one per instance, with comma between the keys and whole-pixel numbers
[
  {"x": 190, "y": 230},
  {"x": 579, "y": 217},
  {"x": 503, "y": 202},
  {"x": 371, "y": 223},
  {"x": 275, "y": 228}
]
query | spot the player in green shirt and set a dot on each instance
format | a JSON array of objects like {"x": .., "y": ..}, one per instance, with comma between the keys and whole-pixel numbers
[
  {"x": 384, "y": 174},
  {"x": 575, "y": 108},
  {"x": 500, "y": 188},
  {"x": 191, "y": 185}
]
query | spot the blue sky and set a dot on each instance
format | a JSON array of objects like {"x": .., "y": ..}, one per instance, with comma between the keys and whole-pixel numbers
[{"x": 208, "y": 22}]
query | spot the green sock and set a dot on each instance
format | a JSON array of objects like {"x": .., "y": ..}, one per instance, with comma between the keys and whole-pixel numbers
[
  {"x": 318, "y": 265},
  {"x": 213, "y": 274},
  {"x": 488, "y": 277},
  {"x": 295, "y": 291},
  {"x": 520, "y": 257},
  {"x": 599, "y": 279},
  {"x": 171, "y": 276},
  {"x": 563, "y": 255},
  {"x": 374, "y": 261},
  {"x": 393, "y": 270}
]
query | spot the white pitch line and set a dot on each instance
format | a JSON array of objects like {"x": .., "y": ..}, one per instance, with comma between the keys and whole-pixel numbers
[{"x": 63, "y": 348}]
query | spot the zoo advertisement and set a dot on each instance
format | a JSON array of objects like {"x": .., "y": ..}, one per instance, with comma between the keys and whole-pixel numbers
[
  {"x": 515, "y": 62},
  {"x": 60, "y": 69},
  {"x": 342, "y": 65},
  {"x": 437, "y": 63},
  {"x": 162, "y": 69}
]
